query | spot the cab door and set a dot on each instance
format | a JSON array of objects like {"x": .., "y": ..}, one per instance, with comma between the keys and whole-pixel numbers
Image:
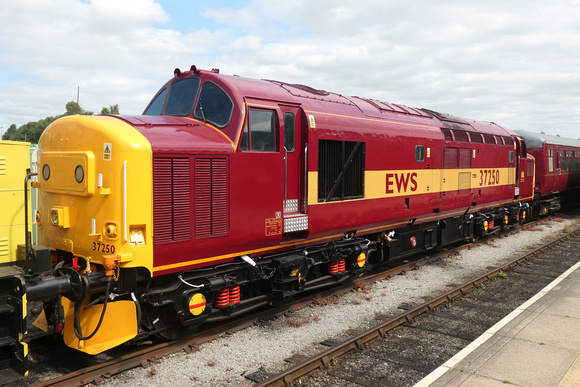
[{"x": 294, "y": 148}]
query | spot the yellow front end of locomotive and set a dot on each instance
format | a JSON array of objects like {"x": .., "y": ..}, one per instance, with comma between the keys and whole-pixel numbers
[{"x": 95, "y": 191}]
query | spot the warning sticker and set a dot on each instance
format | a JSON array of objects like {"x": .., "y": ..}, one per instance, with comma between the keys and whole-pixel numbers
[
  {"x": 107, "y": 151},
  {"x": 273, "y": 226},
  {"x": 312, "y": 122}
]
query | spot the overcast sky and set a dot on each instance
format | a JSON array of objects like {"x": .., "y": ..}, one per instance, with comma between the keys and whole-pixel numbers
[{"x": 513, "y": 62}]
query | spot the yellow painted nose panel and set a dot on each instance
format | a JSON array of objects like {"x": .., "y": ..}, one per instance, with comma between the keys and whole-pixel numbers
[
  {"x": 119, "y": 325},
  {"x": 63, "y": 178}
]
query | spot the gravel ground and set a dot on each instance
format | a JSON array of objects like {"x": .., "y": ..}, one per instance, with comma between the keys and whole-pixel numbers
[{"x": 264, "y": 346}]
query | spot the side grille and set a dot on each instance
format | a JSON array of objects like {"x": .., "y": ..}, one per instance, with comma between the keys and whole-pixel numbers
[
  {"x": 450, "y": 158},
  {"x": 464, "y": 180},
  {"x": 171, "y": 201},
  {"x": 464, "y": 158},
  {"x": 211, "y": 201}
]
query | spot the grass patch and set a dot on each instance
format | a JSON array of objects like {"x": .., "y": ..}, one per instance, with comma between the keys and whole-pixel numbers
[
  {"x": 362, "y": 285},
  {"x": 296, "y": 322},
  {"x": 323, "y": 301}
]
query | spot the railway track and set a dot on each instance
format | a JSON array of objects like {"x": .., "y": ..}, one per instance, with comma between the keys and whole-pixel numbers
[
  {"x": 149, "y": 355},
  {"x": 404, "y": 349}
]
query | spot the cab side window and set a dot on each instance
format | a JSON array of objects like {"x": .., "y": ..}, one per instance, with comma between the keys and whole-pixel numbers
[
  {"x": 289, "y": 132},
  {"x": 259, "y": 133}
]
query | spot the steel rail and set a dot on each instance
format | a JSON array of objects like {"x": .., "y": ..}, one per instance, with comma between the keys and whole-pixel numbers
[{"x": 323, "y": 359}]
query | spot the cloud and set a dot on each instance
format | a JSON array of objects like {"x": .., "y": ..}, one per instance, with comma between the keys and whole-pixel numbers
[
  {"x": 496, "y": 61},
  {"x": 112, "y": 50},
  {"x": 514, "y": 62}
]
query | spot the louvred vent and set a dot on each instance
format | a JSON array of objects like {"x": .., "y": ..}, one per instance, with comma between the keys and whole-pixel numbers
[
  {"x": 171, "y": 203},
  {"x": 211, "y": 201}
]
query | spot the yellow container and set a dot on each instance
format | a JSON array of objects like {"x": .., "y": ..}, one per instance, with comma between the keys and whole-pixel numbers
[{"x": 14, "y": 160}]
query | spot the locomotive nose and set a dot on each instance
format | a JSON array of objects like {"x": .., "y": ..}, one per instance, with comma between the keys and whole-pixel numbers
[{"x": 94, "y": 182}]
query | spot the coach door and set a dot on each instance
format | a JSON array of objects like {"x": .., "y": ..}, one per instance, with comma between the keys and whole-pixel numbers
[{"x": 294, "y": 153}]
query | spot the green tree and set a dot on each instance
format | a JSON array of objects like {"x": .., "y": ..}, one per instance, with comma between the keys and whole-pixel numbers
[
  {"x": 32, "y": 131},
  {"x": 9, "y": 132},
  {"x": 112, "y": 109},
  {"x": 74, "y": 108}
]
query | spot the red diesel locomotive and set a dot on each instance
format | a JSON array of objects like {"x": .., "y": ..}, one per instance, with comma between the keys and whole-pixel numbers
[{"x": 230, "y": 194}]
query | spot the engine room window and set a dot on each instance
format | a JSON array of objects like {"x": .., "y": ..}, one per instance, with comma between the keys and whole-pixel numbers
[
  {"x": 289, "y": 132},
  {"x": 341, "y": 167},
  {"x": 419, "y": 153},
  {"x": 460, "y": 136},
  {"x": 259, "y": 133},
  {"x": 488, "y": 138},
  {"x": 156, "y": 107},
  {"x": 214, "y": 105},
  {"x": 181, "y": 97}
]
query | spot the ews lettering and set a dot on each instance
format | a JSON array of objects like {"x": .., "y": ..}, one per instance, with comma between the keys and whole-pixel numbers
[{"x": 401, "y": 182}]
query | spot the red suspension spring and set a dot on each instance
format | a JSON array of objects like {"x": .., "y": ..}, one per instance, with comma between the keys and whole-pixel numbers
[
  {"x": 223, "y": 298},
  {"x": 342, "y": 265},
  {"x": 333, "y": 267},
  {"x": 235, "y": 295}
]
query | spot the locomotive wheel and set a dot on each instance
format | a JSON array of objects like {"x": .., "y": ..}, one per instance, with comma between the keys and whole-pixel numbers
[{"x": 163, "y": 325}]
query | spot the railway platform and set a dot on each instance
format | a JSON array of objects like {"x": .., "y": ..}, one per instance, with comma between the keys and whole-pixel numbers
[{"x": 538, "y": 344}]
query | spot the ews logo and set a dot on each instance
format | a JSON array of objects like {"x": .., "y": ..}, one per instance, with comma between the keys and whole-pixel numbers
[{"x": 401, "y": 182}]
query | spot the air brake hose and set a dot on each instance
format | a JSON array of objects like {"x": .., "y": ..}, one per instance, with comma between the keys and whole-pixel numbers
[{"x": 77, "y": 324}]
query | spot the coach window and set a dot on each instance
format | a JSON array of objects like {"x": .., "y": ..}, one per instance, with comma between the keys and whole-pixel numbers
[
  {"x": 564, "y": 163},
  {"x": 289, "y": 132},
  {"x": 259, "y": 133},
  {"x": 419, "y": 153}
]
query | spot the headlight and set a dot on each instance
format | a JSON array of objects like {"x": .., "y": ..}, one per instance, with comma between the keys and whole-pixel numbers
[
  {"x": 45, "y": 172},
  {"x": 59, "y": 216},
  {"x": 79, "y": 174},
  {"x": 54, "y": 217}
]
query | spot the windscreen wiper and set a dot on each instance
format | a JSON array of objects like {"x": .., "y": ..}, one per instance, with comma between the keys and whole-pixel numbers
[{"x": 202, "y": 111}]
